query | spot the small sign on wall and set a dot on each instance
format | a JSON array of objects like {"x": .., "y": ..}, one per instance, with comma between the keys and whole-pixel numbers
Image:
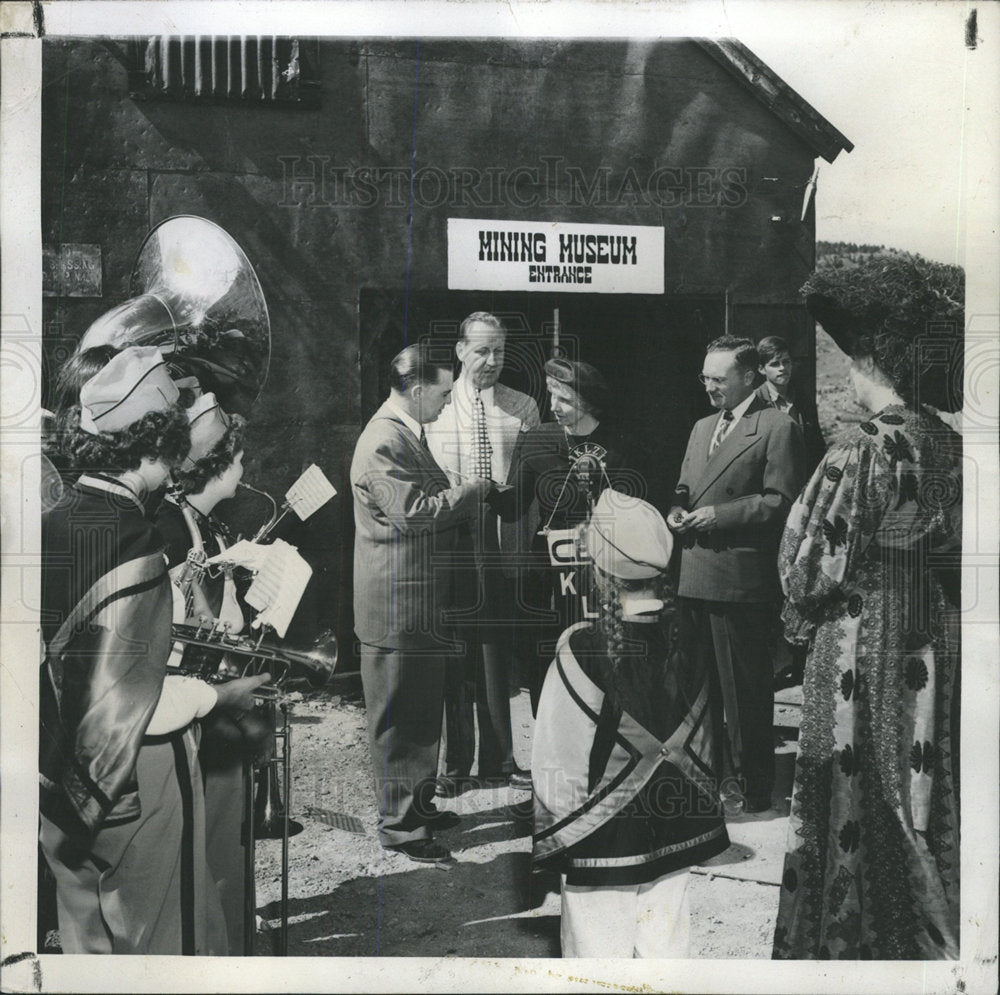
[
  {"x": 71, "y": 270},
  {"x": 554, "y": 255}
]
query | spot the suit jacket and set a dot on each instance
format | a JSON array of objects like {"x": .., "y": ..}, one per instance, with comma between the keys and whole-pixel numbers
[
  {"x": 751, "y": 480},
  {"x": 450, "y": 441},
  {"x": 406, "y": 517},
  {"x": 449, "y": 437},
  {"x": 812, "y": 436}
]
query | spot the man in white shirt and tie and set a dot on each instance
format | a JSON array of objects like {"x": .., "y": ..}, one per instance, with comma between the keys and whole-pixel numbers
[
  {"x": 743, "y": 468},
  {"x": 475, "y": 437}
]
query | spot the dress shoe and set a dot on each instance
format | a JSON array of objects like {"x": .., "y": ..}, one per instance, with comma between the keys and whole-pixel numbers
[
  {"x": 736, "y": 804},
  {"x": 424, "y": 851},
  {"x": 440, "y": 819},
  {"x": 517, "y": 778},
  {"x": 451, "y": 786}
]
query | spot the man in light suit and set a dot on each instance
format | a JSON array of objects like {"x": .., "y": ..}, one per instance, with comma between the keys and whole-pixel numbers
[
  {"x": 743, "y": 468},
  {"x": 476, "y": 435},
  {"x": 407, "y": 516}
]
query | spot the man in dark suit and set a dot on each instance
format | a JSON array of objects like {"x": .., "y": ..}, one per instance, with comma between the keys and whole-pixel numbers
[
  {"x": 743, "y": 468},
  {"x": 406, "y": 516}
]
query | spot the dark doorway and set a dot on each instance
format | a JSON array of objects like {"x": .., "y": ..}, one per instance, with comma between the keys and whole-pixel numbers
[{"x": 649, "y": 348}]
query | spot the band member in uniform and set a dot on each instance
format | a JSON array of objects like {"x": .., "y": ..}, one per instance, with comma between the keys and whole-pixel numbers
[
  {"x": 121, "y": 813},
  {"x": 208, "y": 475},
  {"x": 558, "y": 471},
  {"x": 475, "y": 435},
  {"x": 407, "y": 515},
  {"x": 625, "y": 801}
]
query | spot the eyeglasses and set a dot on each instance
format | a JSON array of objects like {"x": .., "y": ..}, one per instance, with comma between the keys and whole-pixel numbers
[{"x": 711, "y": 381}]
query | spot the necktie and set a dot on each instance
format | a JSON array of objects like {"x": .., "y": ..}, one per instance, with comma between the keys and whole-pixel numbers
[
  {"x": 720, "y": 433},
  {"x": 482, "y": 451},
  {"x": 423, "y": 438}
]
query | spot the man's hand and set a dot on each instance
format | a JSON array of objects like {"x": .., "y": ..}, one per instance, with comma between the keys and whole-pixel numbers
[
  {"x": 701, "y": 519},
  {"x": 236, "y": 697},
  {"x": 677, "y": 519}
]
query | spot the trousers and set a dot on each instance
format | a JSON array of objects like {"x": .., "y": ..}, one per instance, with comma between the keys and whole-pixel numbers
[
  {"x": 143, "y": 887},
  {"x": 637, "y": 920},
  {"x": 404, "y": 697},
  {"x": 736, "y": 638}
]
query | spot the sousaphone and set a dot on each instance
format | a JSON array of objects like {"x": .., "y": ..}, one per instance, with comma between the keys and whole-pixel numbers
[{"x": 196, "y": 296}]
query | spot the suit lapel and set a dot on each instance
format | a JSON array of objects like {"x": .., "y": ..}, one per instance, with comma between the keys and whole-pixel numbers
[
  {"x": 509, "y": 426},
  {"x": 423, "y": 458},
  {"x": 741, "y": 437}
]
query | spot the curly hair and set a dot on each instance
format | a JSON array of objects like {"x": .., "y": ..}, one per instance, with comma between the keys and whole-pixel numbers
[
  {"x": 192, "y": 480},
  {"x": 630, "y": 677},
  {"x": 156, "y": 435}
]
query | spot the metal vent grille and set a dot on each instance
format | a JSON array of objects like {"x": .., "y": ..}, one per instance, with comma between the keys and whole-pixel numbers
[{"x": 252, "y": 68}]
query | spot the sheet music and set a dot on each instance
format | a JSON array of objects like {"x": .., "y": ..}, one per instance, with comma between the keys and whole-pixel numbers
[
  {"x": 310, "y": 492},
  {"x": 277, "y": 589}
]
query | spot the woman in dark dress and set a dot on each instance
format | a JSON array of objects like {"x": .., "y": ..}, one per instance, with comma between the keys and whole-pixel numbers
[{"x": 558, "y": 472}]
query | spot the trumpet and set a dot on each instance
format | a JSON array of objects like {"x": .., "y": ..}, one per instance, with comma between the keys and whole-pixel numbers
[{"x": 309, "y": 667}]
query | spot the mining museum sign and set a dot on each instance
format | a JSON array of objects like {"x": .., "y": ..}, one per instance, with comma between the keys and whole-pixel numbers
[{"x": 527, "y": 255}]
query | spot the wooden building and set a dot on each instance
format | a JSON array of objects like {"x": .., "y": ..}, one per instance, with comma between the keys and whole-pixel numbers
[{"x": 338, "y": 164}]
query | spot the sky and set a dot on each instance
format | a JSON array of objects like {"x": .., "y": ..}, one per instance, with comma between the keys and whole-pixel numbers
[{"x": 893, "y": 78}]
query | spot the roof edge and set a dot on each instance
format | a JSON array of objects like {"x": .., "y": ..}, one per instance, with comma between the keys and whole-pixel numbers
[{"x": 775, "y": 94}]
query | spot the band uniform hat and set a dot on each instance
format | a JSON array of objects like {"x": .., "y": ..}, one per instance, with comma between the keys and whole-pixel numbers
[
  {"x": 208, "y": 424},
  {"x": 184, "y": 380},
  {"x": 135, "y": 383},
  {"x": 628, "y": 538},
  {"x": 588, "y": 383}
]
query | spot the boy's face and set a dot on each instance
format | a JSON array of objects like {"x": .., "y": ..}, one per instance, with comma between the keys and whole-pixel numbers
[{"x": 778, "y": 370}]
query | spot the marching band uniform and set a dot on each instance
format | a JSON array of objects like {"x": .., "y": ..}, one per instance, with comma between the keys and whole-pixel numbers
[
  {"x": 121, "y": 802},
  {"x": 625, "y": 800},
  {"x": 223, "y": 754}
]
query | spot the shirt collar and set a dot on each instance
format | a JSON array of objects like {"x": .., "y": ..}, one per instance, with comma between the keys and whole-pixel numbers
[
  {"x": 469, "y": 392},
  {"x": 740, "y": 410},
  {"x": 98, "y": 482},
  {"x": 408, "y": 420},
  {"x": 775, "y": 396}
]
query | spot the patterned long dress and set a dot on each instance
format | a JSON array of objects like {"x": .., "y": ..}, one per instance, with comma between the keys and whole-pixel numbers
[{"x": 869, "y": 551}]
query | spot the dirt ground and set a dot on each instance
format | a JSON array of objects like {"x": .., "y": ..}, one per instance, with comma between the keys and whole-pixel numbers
[{"x": 349, "y": 897}]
